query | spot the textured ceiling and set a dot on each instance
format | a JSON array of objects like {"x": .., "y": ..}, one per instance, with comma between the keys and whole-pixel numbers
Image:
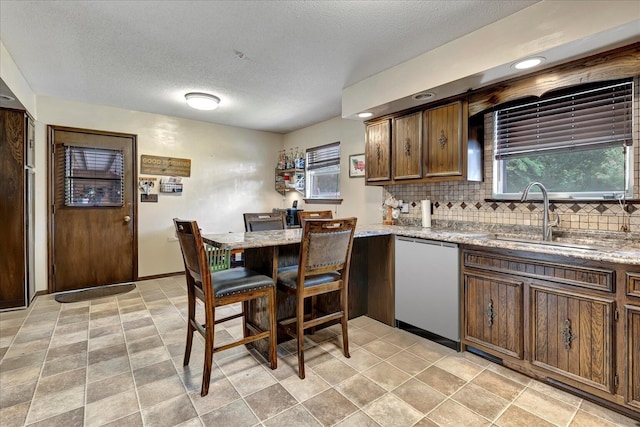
[{"x": 277, "y": 65}]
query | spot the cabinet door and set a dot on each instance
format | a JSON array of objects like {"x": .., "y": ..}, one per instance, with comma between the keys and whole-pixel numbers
[
  {"x": 493, "y": 313},
  {"x": 443, "y": 152},
  {"x": 573, "y": 336},
  {"x": 407, "y": 146},
  {"x": 378, "y": 151},
  {"x": 633, "y": 355}
]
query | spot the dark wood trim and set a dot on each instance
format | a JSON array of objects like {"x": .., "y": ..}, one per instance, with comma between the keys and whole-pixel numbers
[
  {"x": 50, "y": 195},
  {"x": 159, "y": 276}
]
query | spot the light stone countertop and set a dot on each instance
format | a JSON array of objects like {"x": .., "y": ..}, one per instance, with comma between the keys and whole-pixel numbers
[{"x": 597, "y": 246}]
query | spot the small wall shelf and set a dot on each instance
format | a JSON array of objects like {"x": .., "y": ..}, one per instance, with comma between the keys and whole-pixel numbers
[{"x": 289, "y": 180}]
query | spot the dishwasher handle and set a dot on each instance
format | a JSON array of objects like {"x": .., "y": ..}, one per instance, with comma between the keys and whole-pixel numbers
[{"x": 428, "y": 242}]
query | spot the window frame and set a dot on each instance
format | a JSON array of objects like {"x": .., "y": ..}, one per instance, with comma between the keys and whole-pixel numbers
[
  {"x": 318, "y": 158},
  {"x": 499, "y": 162}
]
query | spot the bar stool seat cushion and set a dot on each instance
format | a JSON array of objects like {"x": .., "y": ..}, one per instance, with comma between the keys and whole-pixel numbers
[
  {"x": 289, "y": 278},
  {"x": 238, "y": 280}
]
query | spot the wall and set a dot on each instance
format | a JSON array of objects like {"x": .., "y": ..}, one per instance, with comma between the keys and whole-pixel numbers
[
  {"x": 468, "y": 201},
  {"x": 358, "y": 200},
  {"x": 231, "y": 173}
]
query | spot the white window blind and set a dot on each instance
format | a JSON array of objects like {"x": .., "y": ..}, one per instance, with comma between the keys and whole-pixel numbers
[
  {"x": 323, "y": 156},
  {"x": 93, "y": 177},
  {"x": 594, "y": 117}
]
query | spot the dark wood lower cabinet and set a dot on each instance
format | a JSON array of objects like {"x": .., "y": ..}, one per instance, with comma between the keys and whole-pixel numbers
[
  {"x": 572, "y": 322},
  {"x": 633, "y": 355},
  {"x": 494, "y": 313},
  {"x": 573, "y": 336}
]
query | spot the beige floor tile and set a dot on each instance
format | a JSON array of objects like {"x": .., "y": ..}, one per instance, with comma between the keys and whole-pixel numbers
[
  {"x": 297, "y": 416},
  {"x": 20, "y": 376},
  {"x": 334, "y": 371},
  {"x": 329, "y": 407},
  {"x": 251, "y": 380},
  {"x": 221, "y": 393},
  {"x": 56, "y": 403},
  {"x": 408, "y": 362},
  {"x": 544, "y": 406},
  {"x": 73, "y": 418},
  {"x": 381, "y": 349},
  {"x": 508, "y": 373},
  {"x": 429, "y": 351},
  {"x": 389, "y": 411},
  {"x": 361, "y": 359},
  {"x": 155, "y": 392},
  {"x": 15, "y": 415},
  {"x": 303, "y": 390},
  {"x": 360, "y": 390},
  {"x": 517, "y": 417},
  {"x": 14, "y": 395},
  {"x": 386, "y": 375},
  {"x": 555, "y": 393},
  {"x": 236, "y": 414},
  {"x": 585, "y": 419},
  {"x": 452, "y": 414},
  {"x": 607, "y": 414},
  {"x": 419, "y": 395},
  {"x": 400, "y": 338},
  {"x": 498, "y": 385},
  {"x": 359, "y": 419},
  {"x": 270, "y": 401},
  {"x": 109, "y": 368},
  {"x": 480, "y": 401},
  {"x": 460, "y": 367},
  {"x": 61, "y": 382},
  {"x": 441, "y": 380},
  {"x": 170, "y": 412},
  {"x": 99, "y": 390}
]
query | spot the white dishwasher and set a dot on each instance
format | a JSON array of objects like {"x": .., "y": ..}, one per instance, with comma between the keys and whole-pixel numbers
[{"x": 427, "y": 290}]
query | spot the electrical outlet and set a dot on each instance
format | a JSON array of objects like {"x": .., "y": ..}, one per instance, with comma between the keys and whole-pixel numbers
[{"x": 405, "y": 208}]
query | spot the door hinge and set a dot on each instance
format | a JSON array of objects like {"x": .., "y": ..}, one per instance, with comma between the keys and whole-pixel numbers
[
  {"x": 616, "y": 381},
  {"x": 53, "y": 269},
  {"x": 616, "y": 315},
  {"x": 53, "y": 209}
]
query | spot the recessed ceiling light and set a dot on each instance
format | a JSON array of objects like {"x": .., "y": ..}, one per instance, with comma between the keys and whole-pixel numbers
[
  {"x": 202, "y": 101},
  {"x": 528, "y": 63},
  {"x": 423, "y": 96},
  {"x": 365, "y": 115}
]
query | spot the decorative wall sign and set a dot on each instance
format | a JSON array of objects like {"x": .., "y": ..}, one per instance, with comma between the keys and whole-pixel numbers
[{"x": 172, "y": 166}]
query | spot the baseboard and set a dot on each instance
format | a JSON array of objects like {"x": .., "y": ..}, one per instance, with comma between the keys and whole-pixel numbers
[
  {"x": 159, "y": 276},
  {"x": 428, "y": 335}
]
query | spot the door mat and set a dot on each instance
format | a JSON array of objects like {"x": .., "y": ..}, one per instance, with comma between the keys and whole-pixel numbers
[{"x": 94, "y": 293}]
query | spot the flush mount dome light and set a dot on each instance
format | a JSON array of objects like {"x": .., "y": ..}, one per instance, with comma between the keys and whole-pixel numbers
[
  {"x": 365, "y": 115},
  {"x": 202, "y": 101},
  {"x": 528, "y": 63},
  {"x": 423, "y": 96},
  {"x": 4, "y": 97}
]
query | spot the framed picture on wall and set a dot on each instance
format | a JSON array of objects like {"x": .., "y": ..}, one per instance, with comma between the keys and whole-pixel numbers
[{"x": 356, "y": 165}]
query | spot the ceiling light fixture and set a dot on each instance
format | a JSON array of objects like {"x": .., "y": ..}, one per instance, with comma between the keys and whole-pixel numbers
[
  {"x": 365, "y": 115},
  {"x": 528, "y": 63},
  {"x": 202, "y": 101},
  {"x": 423, "y": 96},
  {"x": 4, "y": 97}
]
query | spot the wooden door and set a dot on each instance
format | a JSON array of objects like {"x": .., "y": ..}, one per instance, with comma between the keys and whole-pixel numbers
[
  {"x": 493, "y": 313},
  {"x": 573, "y": 336},
  {"x": 378, "y": 151},
  {"x": 93, "y": 212},
  {"x": 444, "y": 133},
  {"x": 407, "y": 146},
  {"x": 12, "y": 193}
]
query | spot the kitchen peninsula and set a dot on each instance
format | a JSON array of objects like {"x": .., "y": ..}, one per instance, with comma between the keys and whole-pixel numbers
[{"x": 565, "y": 312}]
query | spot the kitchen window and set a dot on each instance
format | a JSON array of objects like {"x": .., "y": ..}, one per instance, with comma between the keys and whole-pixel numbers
[
  {"x": 322, "y": 176},
  {"x": 578, "y": 143}
]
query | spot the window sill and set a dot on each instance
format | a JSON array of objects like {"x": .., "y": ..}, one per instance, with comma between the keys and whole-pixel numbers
[{"x": 323, "y": 201}]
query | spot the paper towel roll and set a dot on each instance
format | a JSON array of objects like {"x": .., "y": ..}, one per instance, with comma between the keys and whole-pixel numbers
[{"x": 426, "y": 213}]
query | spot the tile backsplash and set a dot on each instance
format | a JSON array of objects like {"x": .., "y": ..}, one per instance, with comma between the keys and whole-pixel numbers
[{"x": 471, "y": 202}]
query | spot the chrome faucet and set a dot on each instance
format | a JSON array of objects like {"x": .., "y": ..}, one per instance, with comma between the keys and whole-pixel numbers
[{"x": 546, "y": 224}]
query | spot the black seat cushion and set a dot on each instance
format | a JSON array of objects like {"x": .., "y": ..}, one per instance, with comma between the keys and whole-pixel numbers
[
  {"x": 288, "y": 276},
  {"x": 238, "y": 280}
]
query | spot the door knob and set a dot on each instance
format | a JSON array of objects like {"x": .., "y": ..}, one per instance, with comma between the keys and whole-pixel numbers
[{"x": 127, "y": 218}]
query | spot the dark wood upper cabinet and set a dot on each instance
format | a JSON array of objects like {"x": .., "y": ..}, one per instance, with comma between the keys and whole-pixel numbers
[
  {"x": 407, "y": 146},
  {"x": 378, "y": 151},
  {"x": 444, "y": 140}
]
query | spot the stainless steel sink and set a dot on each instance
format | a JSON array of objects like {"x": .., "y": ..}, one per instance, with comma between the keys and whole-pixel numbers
[{"x": 549, "y": 243}]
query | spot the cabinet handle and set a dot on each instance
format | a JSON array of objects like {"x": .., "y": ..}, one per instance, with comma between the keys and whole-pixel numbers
[
  {"x": 407, "y": 147},
  {"x": 567, "y": 334},
  {"x": 378, "y": 151},
  {"x": 490, "y": 312},
  {"x": 442, "y": 140}
]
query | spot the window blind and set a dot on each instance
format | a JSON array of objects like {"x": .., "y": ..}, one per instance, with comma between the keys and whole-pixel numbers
[
  {"x": 584, "y": 119},
  {"x": 323, "y": 156},
  {"x": 93, "y": 177}
]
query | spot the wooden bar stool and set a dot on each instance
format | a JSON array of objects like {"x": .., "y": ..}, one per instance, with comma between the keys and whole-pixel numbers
[
  {"x": 323, "y": 267},
  {"x": 305, "y": 215},
  {"x": 217, "y": 289},
  {"x": 264, "y": 221}
]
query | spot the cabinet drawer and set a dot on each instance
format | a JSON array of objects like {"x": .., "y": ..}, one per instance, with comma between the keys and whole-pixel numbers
[
  {"x": 572, "y": 334},
  {"x": 586, "y": 277},
  {"x": 633, "y": 284},
  {"x": 493, "y": 313}
]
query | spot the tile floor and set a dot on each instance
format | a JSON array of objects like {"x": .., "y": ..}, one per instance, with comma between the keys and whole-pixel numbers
[{"x": 118, "y": 361}]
